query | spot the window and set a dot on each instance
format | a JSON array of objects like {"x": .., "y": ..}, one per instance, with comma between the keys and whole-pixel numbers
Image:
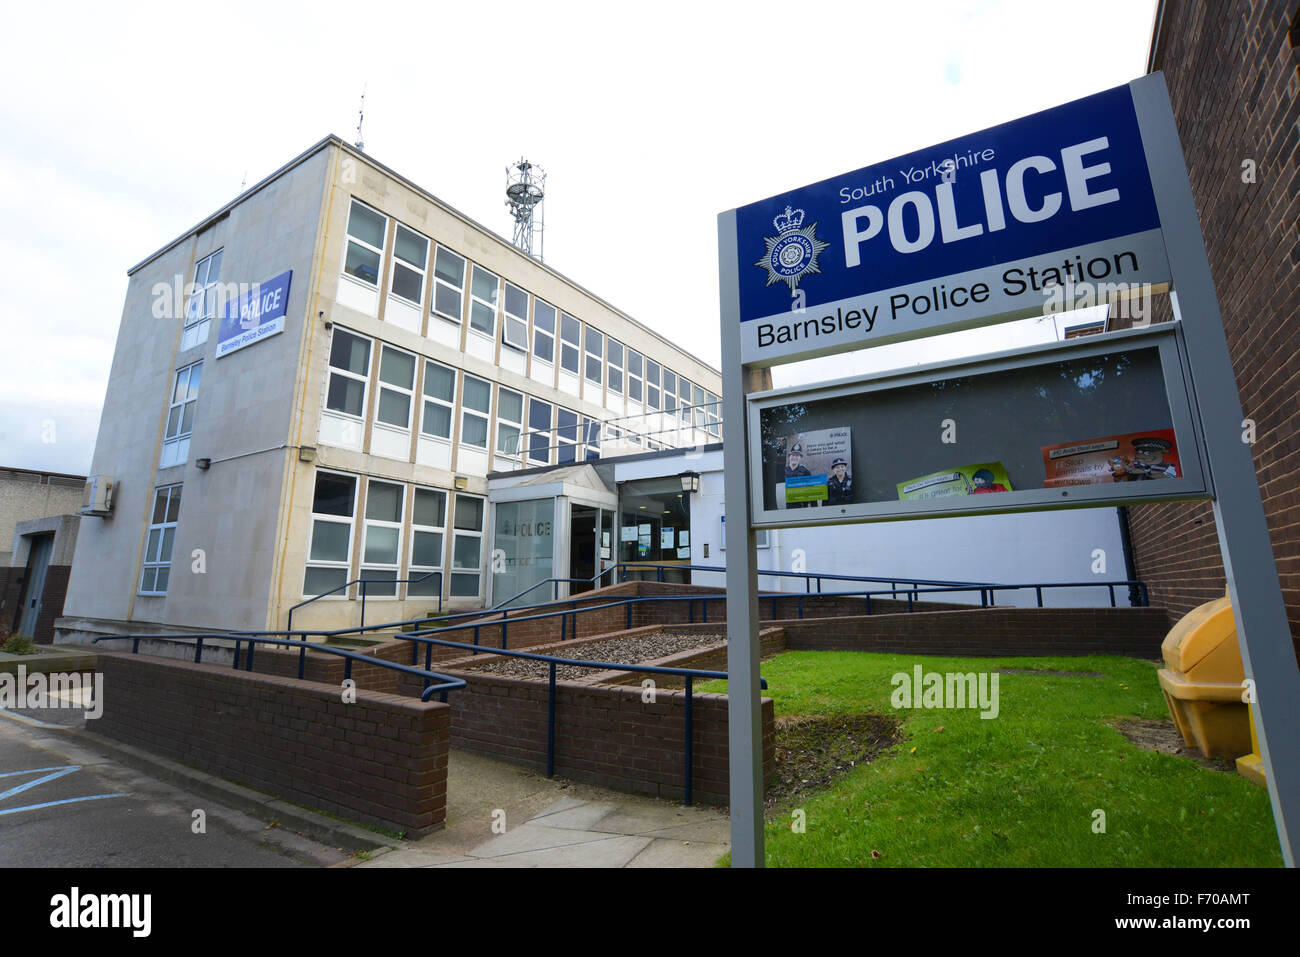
[
  {"x": 514, "y": 330},
  {"x": 202, "y": 306},
  {"x": 713, "y": 412},
  {"x": 595, "y": 351},
  {"x": 670, "y": 392},
  {"x": 381, "y": 546},
  {"x": 332, "y": 510},
  {"x": 697, "y": 413},
  {"x": 652, "y": 385},
  {"x": 483, "y": 302},
  {"x": 591, "y": 438},
  {"x": 566, "y": 436},
  {"x": 428, "y": 522},
  {"x": 162, "y": 535},
  {"x": 684, "y": 390},
  {"x": 510, "y": 420},
  {"x": 614, "y": 355},
  {"x": 539, "y": 431},
  {"x": 475, "y": 403},
  {"x": 544, "y": 331},
  {"x": 467, "y": 547},
  {"x": 396, "y": 386},
  {"x": 570, "y": 342},
  {"x": 366, "y": 232},
  {"x": 410, "y": 258},
  {"x": 349, "y": 374},
  {"x": 439, "y": 400},
  {"x": 180, "y": 416},
  {"x": 635, "y": 376},
  {"x": 448, "y": 284}
]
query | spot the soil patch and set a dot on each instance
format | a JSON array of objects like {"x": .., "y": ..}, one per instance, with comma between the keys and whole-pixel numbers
[
  {"x": 628, "y": 651},
  {"x": 814, "y": 750},
  {"x": 1152, "y": 734}
]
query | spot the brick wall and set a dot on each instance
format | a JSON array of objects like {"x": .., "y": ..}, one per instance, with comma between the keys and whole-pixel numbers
[
  {"x": 10, "y": 587},
  {"x": 1135, "y": 632},
  {"x": 56, "y": 587},
  {"x": 1235, "y": 85},
  {"x": 605, "y": 735},
  {"x": 381, "y": 760}
]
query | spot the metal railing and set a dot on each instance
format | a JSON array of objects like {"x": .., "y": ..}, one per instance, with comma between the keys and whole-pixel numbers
[
  {"x": 443, "y": 684},
  {"x": 689, "y": 674},
  {"x": 363, "y": 582}
]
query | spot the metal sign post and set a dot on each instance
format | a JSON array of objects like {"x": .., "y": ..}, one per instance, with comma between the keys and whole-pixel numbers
[{"x": 993, "y": 226}]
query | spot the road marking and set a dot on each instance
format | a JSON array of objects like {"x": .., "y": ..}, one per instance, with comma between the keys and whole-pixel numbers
[{"x": 54, "y": 774}]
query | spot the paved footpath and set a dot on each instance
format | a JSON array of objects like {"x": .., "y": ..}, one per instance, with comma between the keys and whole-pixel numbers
[{"x": 557, "y": 824}]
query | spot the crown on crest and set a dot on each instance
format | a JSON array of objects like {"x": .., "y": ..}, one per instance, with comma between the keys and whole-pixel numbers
[{"x": 790, "y": 219}]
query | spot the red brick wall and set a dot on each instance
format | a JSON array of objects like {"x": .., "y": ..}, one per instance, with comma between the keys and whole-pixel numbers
[
  {"x": 1136, "y": 632},
  {"x": 381, "y": 760},
  {"x": 1235, "y": 85},
  {"x": 604, "y": 735},
  {"x": 56, "y": 587}
]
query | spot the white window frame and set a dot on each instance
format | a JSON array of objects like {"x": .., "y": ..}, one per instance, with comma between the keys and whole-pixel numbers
[
  {"x": 712, "y": 412},
  {"x": 491, "y": 305},
  {"x": 698, "y": 410},
  {"x": 514, "y": 327},
  {"x": 438, "y": 281},
  {"x": 201, "y": 306},
  {"x": 400, "y": 262},
  {"x": 635, "y": 377},
  {"x": 597, "y": 358},
  {"x": 502, "y": 421},
  {"x": 367, "y": 523},
  {"x": 653, "y": 394},
  {"x": 684, "y": 387},
  {"x": 540, "y": 307},
  {"x": 176, "y": 444},
  {"x": 349, "y": 238},
  {"x": 458, "y": 533},
  {"x": 561, "y": 442},
  {"x": 154, "y": 546},
  {"x": 466, "y": 411},
  {"x": 533, "y": 430},
  {"x": 575, "y": 345},
  {"x": 333, "y": 370},
  {"x": 611, "y": 368},
  {"x": 448, "y": 404},
  {"x": 591, "y": 433},
  {"x": 415, "y": 570},
  {"x": 383, "y": 386},
  {"x": 348, "y": 521},
  {"x": 669, "y": 397}
]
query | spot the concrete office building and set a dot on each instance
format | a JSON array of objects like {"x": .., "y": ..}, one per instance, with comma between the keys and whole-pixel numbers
[{"x": 252, "y": 464}]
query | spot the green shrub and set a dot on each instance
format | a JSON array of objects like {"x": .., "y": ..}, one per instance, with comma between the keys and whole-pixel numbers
[{"x": 19, "y": 645}]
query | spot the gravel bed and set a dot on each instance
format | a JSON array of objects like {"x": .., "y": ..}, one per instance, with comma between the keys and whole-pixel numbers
[{"x": 632, "y": 651}]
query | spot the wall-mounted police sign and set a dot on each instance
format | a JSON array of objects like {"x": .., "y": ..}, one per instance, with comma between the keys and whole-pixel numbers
[
  {"x": 1091, "y": 196},
  {"x": 982, "y": 228},
  {"x": 257, "y": 313}
]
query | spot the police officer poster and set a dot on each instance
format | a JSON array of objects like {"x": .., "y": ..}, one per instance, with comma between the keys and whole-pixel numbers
[
  {"x": 1135, "y": 457},
  {"x": 818, "y": 468}
]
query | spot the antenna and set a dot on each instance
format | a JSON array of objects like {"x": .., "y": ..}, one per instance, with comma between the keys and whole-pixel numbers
[
  {"x": 361, "y": 116},
  {"x": 525, "y": 190}
]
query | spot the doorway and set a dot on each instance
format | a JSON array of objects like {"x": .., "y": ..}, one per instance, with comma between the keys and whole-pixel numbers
[
  {"x": 584, "y": 528},
  {"x": 33, "y": 590}
]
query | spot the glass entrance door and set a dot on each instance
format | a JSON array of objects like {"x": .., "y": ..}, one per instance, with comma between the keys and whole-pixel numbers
[{"x": 584, "y": 526}]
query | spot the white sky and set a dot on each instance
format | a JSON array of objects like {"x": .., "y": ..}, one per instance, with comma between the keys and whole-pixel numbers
[{"x": 124, "y": 125}]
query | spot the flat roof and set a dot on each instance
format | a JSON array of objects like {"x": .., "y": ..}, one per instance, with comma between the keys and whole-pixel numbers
[{"x": 333, "y": 140}]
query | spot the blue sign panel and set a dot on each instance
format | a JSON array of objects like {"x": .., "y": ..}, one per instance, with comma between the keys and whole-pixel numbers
[
  {"x": 994, "y": 224},
  {"x": 258, "y": 313}
]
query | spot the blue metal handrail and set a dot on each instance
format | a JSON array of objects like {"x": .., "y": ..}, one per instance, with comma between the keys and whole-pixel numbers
[
  {"x": 362, "y": 582},
  {"x": 689, "y": 674},
  {"x": 445, "y": 683}
]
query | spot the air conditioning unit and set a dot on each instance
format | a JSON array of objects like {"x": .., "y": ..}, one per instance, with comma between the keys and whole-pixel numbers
[{"x": 98, "y": 499}]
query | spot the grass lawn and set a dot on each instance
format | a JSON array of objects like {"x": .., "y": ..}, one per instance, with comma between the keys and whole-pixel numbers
[{"x": 1016, "y": 790}]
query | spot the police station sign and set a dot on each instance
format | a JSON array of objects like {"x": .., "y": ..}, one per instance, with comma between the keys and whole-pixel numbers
[
  {"x": 257, "y": 313},
  {"x": 984, "y": 228}
]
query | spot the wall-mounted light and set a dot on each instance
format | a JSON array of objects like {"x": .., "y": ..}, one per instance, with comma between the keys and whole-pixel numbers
[
  {"x": 306, "y": 453},
  {"x": 461, "y": 483},
  {"x": 690, "y": 481},
  {"x": 203, "y": 464}
]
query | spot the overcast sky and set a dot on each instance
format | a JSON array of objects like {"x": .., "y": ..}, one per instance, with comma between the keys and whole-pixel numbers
[{"x": 124, "y": 125}]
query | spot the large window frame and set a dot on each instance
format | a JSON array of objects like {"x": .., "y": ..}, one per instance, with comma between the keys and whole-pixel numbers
[
  {"x": 338, "y": 400},
  {"x": 409, "y": 267},
  {"x": 201, "y": 307},
  {"x": 464, "y": 530},
  {"x": 155, "y": 570},
  {"x": 544, "y": 316},
  {"x": 446, "y": 285},
  {"x": 437, "y": 406},
  {"x": 382, "y": 537},
  {"x": 181, "y": 409},
  {"x": 514, "y": 319},
  {"x": 510, "y": 424},
  {"x": 358, "y": 248},
  {"x": 570, "y": 344},
  {"x": 428, "y": 541},
  {"x": 327, "y": 525},
  {"x": 614, "y": 359},
  {"x": 393, "y": 394},
  {"x": 539, "y": 434},
  {"x": 483, "y": 311},
  {"x": 473, "y": 413}
]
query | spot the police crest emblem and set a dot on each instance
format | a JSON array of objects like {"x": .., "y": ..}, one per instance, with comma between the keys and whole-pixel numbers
[{"x": 793, "y": 252}]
